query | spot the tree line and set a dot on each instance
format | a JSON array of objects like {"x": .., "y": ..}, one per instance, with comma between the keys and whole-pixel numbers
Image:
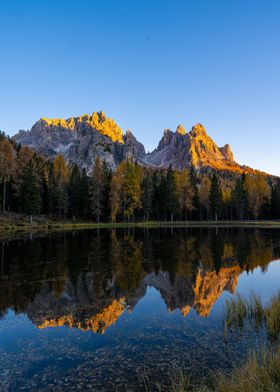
[{"x": 31, "y": 184}]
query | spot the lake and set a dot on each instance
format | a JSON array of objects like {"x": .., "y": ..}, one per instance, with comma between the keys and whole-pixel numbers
[{"x": 122, "y": 310}]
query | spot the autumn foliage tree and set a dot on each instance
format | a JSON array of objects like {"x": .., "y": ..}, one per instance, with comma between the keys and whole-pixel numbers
[
  {"x": 31, "y": 184},
  {"x": 6, "y": 166}
]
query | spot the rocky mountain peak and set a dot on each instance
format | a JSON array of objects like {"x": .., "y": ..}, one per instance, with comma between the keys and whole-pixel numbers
[
  {"x": 82, "y": 139},
  {"x": 181, "y": 129},
  {"x": 198, "y": 129},
  {"x": 180, "y": 150},
  {"x": 227, "y": 152}
]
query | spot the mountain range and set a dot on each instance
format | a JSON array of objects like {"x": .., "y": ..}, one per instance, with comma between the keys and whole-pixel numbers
[{"x": 82, "y": 139}]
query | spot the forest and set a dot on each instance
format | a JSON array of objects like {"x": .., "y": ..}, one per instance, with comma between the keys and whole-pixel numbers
[{"x": 33, "y": 185}]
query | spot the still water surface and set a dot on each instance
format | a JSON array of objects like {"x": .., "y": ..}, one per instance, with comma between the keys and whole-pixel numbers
[{"x": 120, "y": 310}]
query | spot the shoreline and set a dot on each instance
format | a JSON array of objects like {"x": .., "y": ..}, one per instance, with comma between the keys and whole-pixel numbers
[{"x": 21, "y": 224}]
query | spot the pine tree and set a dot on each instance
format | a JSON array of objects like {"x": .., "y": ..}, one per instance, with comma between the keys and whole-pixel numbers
[
  {"x": 106, "y": 191},
  {"x": 84, "y": 211},
  {"x": 30, "y": 197},
  {"x": 75, "y": 192},
  {"x": 172, "y": 202},
  {"x": 6, "y": 166},
  {"x": 52, "y": 186},
  {"x": 61, "y": 173},
  {"x": 239, "y": 198},
  {"x": 194, "y": 184},
  {"x": 215, "y": 198},
  {"x": 116, "y": 185},
  {"x": 96, "y": 189},
  {"x": 204, "y": 197},
  {"x": 275, "y": 201},
  {"x": 147, "y": 195}
]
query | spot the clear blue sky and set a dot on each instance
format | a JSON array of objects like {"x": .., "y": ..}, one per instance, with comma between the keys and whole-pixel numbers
[{"x": 150, "y": 65}]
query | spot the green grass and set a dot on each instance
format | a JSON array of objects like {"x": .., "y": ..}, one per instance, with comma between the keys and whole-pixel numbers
[
  {"x": 261, "y": 371},
  {"x": 241, "y": 312}
]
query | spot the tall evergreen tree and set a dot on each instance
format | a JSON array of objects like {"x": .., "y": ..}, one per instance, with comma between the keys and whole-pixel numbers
[
  {"x": 194, "y": 184},
  {"x": 6, "y": 166},
  {"x": 96, "y": 189},
  {"x": 52, "y": 190},
  {"x": 30, "y": 197},
  {"x": 84, "y": 211},
  {"x": 75, "y": 192},
  {"x": 275, "y": 201},
  {"x": 170, "y": 188},
  {"x": 239, "y": 198},
  {"x": 61, "y": 172},
  {"x": 147, "y": 195},
  {"x": 215, "y": 198}
]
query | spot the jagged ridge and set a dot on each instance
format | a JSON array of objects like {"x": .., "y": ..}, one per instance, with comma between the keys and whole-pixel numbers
[{"x": 82, "y": 139}]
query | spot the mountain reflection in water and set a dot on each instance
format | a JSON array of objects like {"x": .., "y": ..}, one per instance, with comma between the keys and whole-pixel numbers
[{"x": 87, "y": 279}]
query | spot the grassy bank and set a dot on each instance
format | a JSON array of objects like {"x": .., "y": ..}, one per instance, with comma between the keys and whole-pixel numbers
[
  {"x": 261, "y": 371},
  {"x": 243, "y": 313},
  {"x": 20, "y": 223}
]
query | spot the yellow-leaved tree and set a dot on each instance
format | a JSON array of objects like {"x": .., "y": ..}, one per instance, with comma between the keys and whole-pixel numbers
[
  {"x": 258, "y": 193},
  {"x": 184, "y": 191}
]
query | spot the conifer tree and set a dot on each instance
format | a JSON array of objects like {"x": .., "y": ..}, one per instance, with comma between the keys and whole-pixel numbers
[
  {"x": 61, "y": 173},
  {"x": 84, "y": 194},
  {"x": 6, "y": 166},
  {"x": 215, "y": 197},
  {"x": 172, "y": 201},
  {"x": 52, "y": 190},
  {"x": 96, "y": 189},
  {"x": 147, "y": 195},
  {"x": 194, "y": 184},
  {"x": 275, "y": 201},
  {"x": 239, "y": 198},
  {"x": 116, "y": 185},
  {"x": 30, "y": 197},
  {"x": 74, "y": 192},
  {"x": 204, "y": 197}
]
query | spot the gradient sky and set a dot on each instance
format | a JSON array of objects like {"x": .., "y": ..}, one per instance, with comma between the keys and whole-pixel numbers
[{"x": 150, "y": 65}]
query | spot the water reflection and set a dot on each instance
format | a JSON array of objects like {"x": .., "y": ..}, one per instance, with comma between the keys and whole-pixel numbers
[{"x": 86, "y": 280}]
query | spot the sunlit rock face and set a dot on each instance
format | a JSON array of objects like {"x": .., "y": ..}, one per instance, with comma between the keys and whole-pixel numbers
[
  {"x": 81, "y": 140},
  {"x": 181, "y": 150}
]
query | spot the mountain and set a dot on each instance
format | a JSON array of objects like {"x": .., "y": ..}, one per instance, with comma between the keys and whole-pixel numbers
[
  {"x": 81, "y": 139},
  {"x": 180, "y": 149}
]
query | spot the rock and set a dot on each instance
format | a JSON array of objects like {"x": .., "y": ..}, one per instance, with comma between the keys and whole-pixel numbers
[
  {"x": 196, "y": 148},
  {"x": 82, "y": 139}
]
